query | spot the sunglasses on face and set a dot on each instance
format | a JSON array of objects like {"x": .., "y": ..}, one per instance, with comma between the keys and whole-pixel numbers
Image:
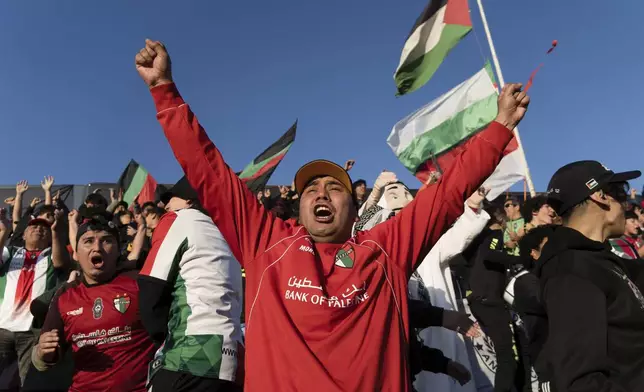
[{"x": 509, "y": 205}]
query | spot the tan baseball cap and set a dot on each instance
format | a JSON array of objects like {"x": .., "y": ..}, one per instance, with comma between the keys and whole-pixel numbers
[{"x": 321, "y": 168}]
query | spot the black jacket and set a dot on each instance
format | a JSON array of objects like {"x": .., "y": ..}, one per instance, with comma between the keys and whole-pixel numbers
[
  {"x": 595, "y": 316},
  {"x": 489, "y": 273}
]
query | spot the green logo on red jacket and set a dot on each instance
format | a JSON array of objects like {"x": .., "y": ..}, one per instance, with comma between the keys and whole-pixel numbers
[{"x": 344, "y": 256}]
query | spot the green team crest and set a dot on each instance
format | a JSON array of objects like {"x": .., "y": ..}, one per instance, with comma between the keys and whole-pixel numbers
[
  {"x": 345, "y": 256},
  {"x": 122, "y": 303}
]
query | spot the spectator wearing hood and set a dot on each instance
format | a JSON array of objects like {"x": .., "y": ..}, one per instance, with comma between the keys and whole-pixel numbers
[{"x": 595, "y": 312}]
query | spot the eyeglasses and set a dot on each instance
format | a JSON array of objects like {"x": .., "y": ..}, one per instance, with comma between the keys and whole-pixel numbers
[{"x": 508, "y": 205}]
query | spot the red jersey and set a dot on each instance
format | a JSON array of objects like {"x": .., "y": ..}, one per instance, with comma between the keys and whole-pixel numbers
[
  {"x": 111, "y": 349},
  {"x": 324, "y": 317}
]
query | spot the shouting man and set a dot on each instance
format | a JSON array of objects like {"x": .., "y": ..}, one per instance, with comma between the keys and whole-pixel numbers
[
  {"x": 326, "y": 311},
  {"x": 98, "y": 317}
]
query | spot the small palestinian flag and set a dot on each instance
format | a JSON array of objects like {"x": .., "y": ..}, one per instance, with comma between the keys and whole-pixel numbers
[
  {"x": 439, "y": 28},
  {"x": 138, "y": 185},
  {"x": 258, "y": 172}
]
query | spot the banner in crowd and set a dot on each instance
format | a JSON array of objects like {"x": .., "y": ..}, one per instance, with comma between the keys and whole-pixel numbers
[
  {"x": 138, "y": 185},
  {"x": 437, "y": 30},
  {"x": 429, "y": 139},
  {"x": 259, "y": 171}
]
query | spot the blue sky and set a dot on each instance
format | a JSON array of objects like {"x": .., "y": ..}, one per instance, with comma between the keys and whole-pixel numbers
[{"x": 73, "y": 106}]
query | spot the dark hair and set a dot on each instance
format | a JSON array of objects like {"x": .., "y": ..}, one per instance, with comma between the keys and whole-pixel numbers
[
  {"x": 630, "y": 215},
  {"x": 359, "y": 182},
  {"x": 531, "y": 206},
  {"x": 96, "y": 199},
  {"x": 148, "y": 204},
  {"x": 121, "y": 204},
  {"x": 46, "y": 209},
  {"x": 98, "y": 223},
  {"x": 532, "y": 240}
]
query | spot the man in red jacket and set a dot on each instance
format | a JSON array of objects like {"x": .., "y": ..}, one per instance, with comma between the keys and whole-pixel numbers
[{"x": 325, "y": 311}]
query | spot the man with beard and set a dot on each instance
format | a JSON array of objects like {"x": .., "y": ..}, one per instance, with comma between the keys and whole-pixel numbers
[
  {"x": 325, "y": 311},
  {"x": 98, "y": 317},
  {"x": 26, "y": 273}
]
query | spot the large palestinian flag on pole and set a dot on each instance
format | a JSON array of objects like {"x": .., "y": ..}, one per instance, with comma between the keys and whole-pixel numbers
[
  {"x": 429, "y": 139},
  {"x": 138, "y": 185},
  {"x": 439, "y": 28},
  {"x": 258, "y": 172}
]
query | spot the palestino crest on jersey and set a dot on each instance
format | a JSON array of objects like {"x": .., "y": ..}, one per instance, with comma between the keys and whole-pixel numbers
[
  {"x": 122, "y": 303},
  {"x": 345, "y": 256},
  {"x": 97, "y": 309}
]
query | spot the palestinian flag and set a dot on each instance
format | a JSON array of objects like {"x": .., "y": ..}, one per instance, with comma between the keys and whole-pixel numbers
[
  {"x": 257, "y": 173},
  {"x": 138, "y": 185},
  {"x": 439, "y": 28},
  {"x": 431, "y": 138}
]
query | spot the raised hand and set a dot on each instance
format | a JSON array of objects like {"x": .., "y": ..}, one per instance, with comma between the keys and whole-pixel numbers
[
  {"x": 10, "y": 201},
  {"x": 267, "y": 193},
  {"x": 284, "y": 190},
  {"x": 386, "y": 177},
  {"x": 153, "y": 64},
  {"x": 513, "y": 104},
  {"x": 58, "y": 216},
  {"x": 35, "y": 201},
  {"x": 633, "y": 193},
  {"x": 476, "y": 200},
  {"x": 56, "y": 197},
  {"x": 112, "y": 194},
  {"x": 22, "y": 187},
  {"x": 73, "y": 217},
  {"x": 47, "y": 183},
  {"x": 348, "y": 165}
]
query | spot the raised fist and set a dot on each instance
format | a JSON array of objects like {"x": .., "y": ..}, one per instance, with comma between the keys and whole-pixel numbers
[
  {"x": 348, "y": 165},
  {"x": 476, "y": 200},
  {"x": 153, "y": 64},
  {"x": 22, "y": 187},
  {"x": 513, "y": 104}
]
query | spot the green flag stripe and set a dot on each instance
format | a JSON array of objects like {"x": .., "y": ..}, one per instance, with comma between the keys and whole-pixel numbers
[
  {"x": 138, "y": 180},
  {"x": 449, "y": 133},
  {"x": 414, "y": 74},
  {"x": 252, "y": 168}
]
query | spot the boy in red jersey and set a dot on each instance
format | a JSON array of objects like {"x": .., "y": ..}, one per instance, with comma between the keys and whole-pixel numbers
[{"x": 98, "y": 316}]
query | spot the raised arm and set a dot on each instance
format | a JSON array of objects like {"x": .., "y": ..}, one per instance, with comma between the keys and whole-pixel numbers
[
  {"x": 21, "y": 188},
  {"x": 139, "y": 240},
  {"x": 411, "y": 234},
  {"x": 245, "y": 224},
  {"x": 46, "y": 184},
  {"x": 59, "y": 255}
]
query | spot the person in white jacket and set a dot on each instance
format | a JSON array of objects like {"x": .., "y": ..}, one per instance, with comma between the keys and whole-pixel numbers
[{"x": 433, "y": 277}]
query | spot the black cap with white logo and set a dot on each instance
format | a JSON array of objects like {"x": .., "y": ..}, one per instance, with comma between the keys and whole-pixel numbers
[{"x": 576, "y": 181}]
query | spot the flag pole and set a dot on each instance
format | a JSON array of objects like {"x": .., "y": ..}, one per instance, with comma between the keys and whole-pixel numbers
[{"x": 497, "y": 66}]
